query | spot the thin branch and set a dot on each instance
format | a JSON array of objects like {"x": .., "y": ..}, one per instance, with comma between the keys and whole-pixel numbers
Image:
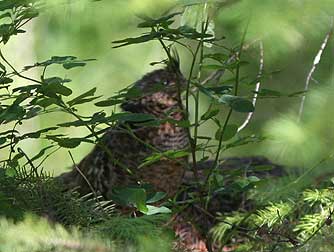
[
  {"x": 47, "y": 156},
  {"x": 314, "y": 66},
  {"x": 329, "y": 217},
  {"x": 16, "y": 72},
  {"x": 186, "y": 109},
  {"x": 257, "y": 88},
  {"x": 83, "y": 176},
  {"x": 236, "y": 88},
  {"x": 218, "y": 74},
  {"x": 33, "y": 167}
]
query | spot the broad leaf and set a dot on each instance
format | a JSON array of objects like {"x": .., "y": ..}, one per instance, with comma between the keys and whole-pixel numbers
[
  {"x": 237, "y": 103},
  {"x": 133, "y": 196},
  {"x": 151, "y": 210},
  {"x": 83, "y": 98},
  {"x": 229, "y": 132},
  {"x": 209, "y": 114},
  {"x": 53, "y": 89}
]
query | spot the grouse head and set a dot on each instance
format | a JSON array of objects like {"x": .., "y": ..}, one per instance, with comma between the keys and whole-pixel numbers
[{"x": 157, "y": 92}]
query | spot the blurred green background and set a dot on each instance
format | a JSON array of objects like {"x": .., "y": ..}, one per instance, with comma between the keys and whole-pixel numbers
[{"x": 292, "y": 32}]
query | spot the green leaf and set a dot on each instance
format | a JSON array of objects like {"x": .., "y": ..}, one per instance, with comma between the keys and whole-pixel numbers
[
  {"x": 132, "y": 117},
  {"x": 220, "y": 57},
  {"x": 41, "y": 153},
  {"x": 6, "y": 29},
  {"x": 32, "y": 112},
  {"x": 22, "y": 97},
  {"x": 170, "y": 154},
  {"x": 46, "y": 102},
  {"x": 191, "y": 33},
  {"x": 59, "y": 60},
  {"x": 108, "y": 103},
  {"x": 12, "y": 113},
  {"x": 150, "y": 22},
  {"x": 244, "y": 140},
  {"x": 268, "y": 92},
  {"x": 151, "y": 210},
  {"x": 55, "y": 88},
  {"x": 230, "y": 131},
  {"x": 74, "y": 64},
  {"x": 133, "y": 196},
  {"x": 7, "y": 4},
  {"x": 68, "y": 62},
  {"x": 95, "y": 119},
  {"x": 220, "y": 90},
  {"x": 209, "y": 114},
  {"x": 237, "y": 103},
  {"x": 3, "y": 140},
  {"x": 213, "y": 92},
  {"x": 30, "y": 13},
  {"x": 11, "y": 172},
  {"x": 14, "y": 161},
  {"x": 37, "y": 134},
  {"x": 55, "y": 80},
  {"x": 69, "y": 143},
  {"x": 253, "y": 179},
  {"x": 297, "y": 94},
  {"x": 181, "y": 123},
  {"x": 5, "y": 80},
  {"x": 242, "y": 182},
  {"x": 134, "y": 92},
  {"x": 27, "y": 88},
  {"x": 137, "y": 40},
  {"x": 82, "y": 98},
  {"x": 156, "y": 197},
  {"x": 213, "y": 67}
]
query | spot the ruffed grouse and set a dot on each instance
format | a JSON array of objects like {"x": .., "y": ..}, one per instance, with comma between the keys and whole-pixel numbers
[{"x": 114, "y": 161}]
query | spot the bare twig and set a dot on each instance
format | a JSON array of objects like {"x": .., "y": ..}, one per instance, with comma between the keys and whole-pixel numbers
[
  {"x": 16, "y": 72},
  {"x": 257, "y": 88},
  {"x": 216, "y": 75},
  {"x": 83, "y": 176},
  {"x": 314, "y": 66},
  {"x": 33, "y": 167}
]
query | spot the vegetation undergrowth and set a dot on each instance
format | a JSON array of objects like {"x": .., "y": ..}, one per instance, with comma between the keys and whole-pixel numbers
[{"x": 257, "y": 221}]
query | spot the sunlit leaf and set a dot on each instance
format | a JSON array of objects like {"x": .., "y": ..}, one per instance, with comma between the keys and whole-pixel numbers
[
  {"x": 132, "y": 196},
  {"x": 151, "y": 210}
]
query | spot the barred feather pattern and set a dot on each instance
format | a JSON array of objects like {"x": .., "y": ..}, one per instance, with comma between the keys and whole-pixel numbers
[{"x": 115, "y": 159}]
